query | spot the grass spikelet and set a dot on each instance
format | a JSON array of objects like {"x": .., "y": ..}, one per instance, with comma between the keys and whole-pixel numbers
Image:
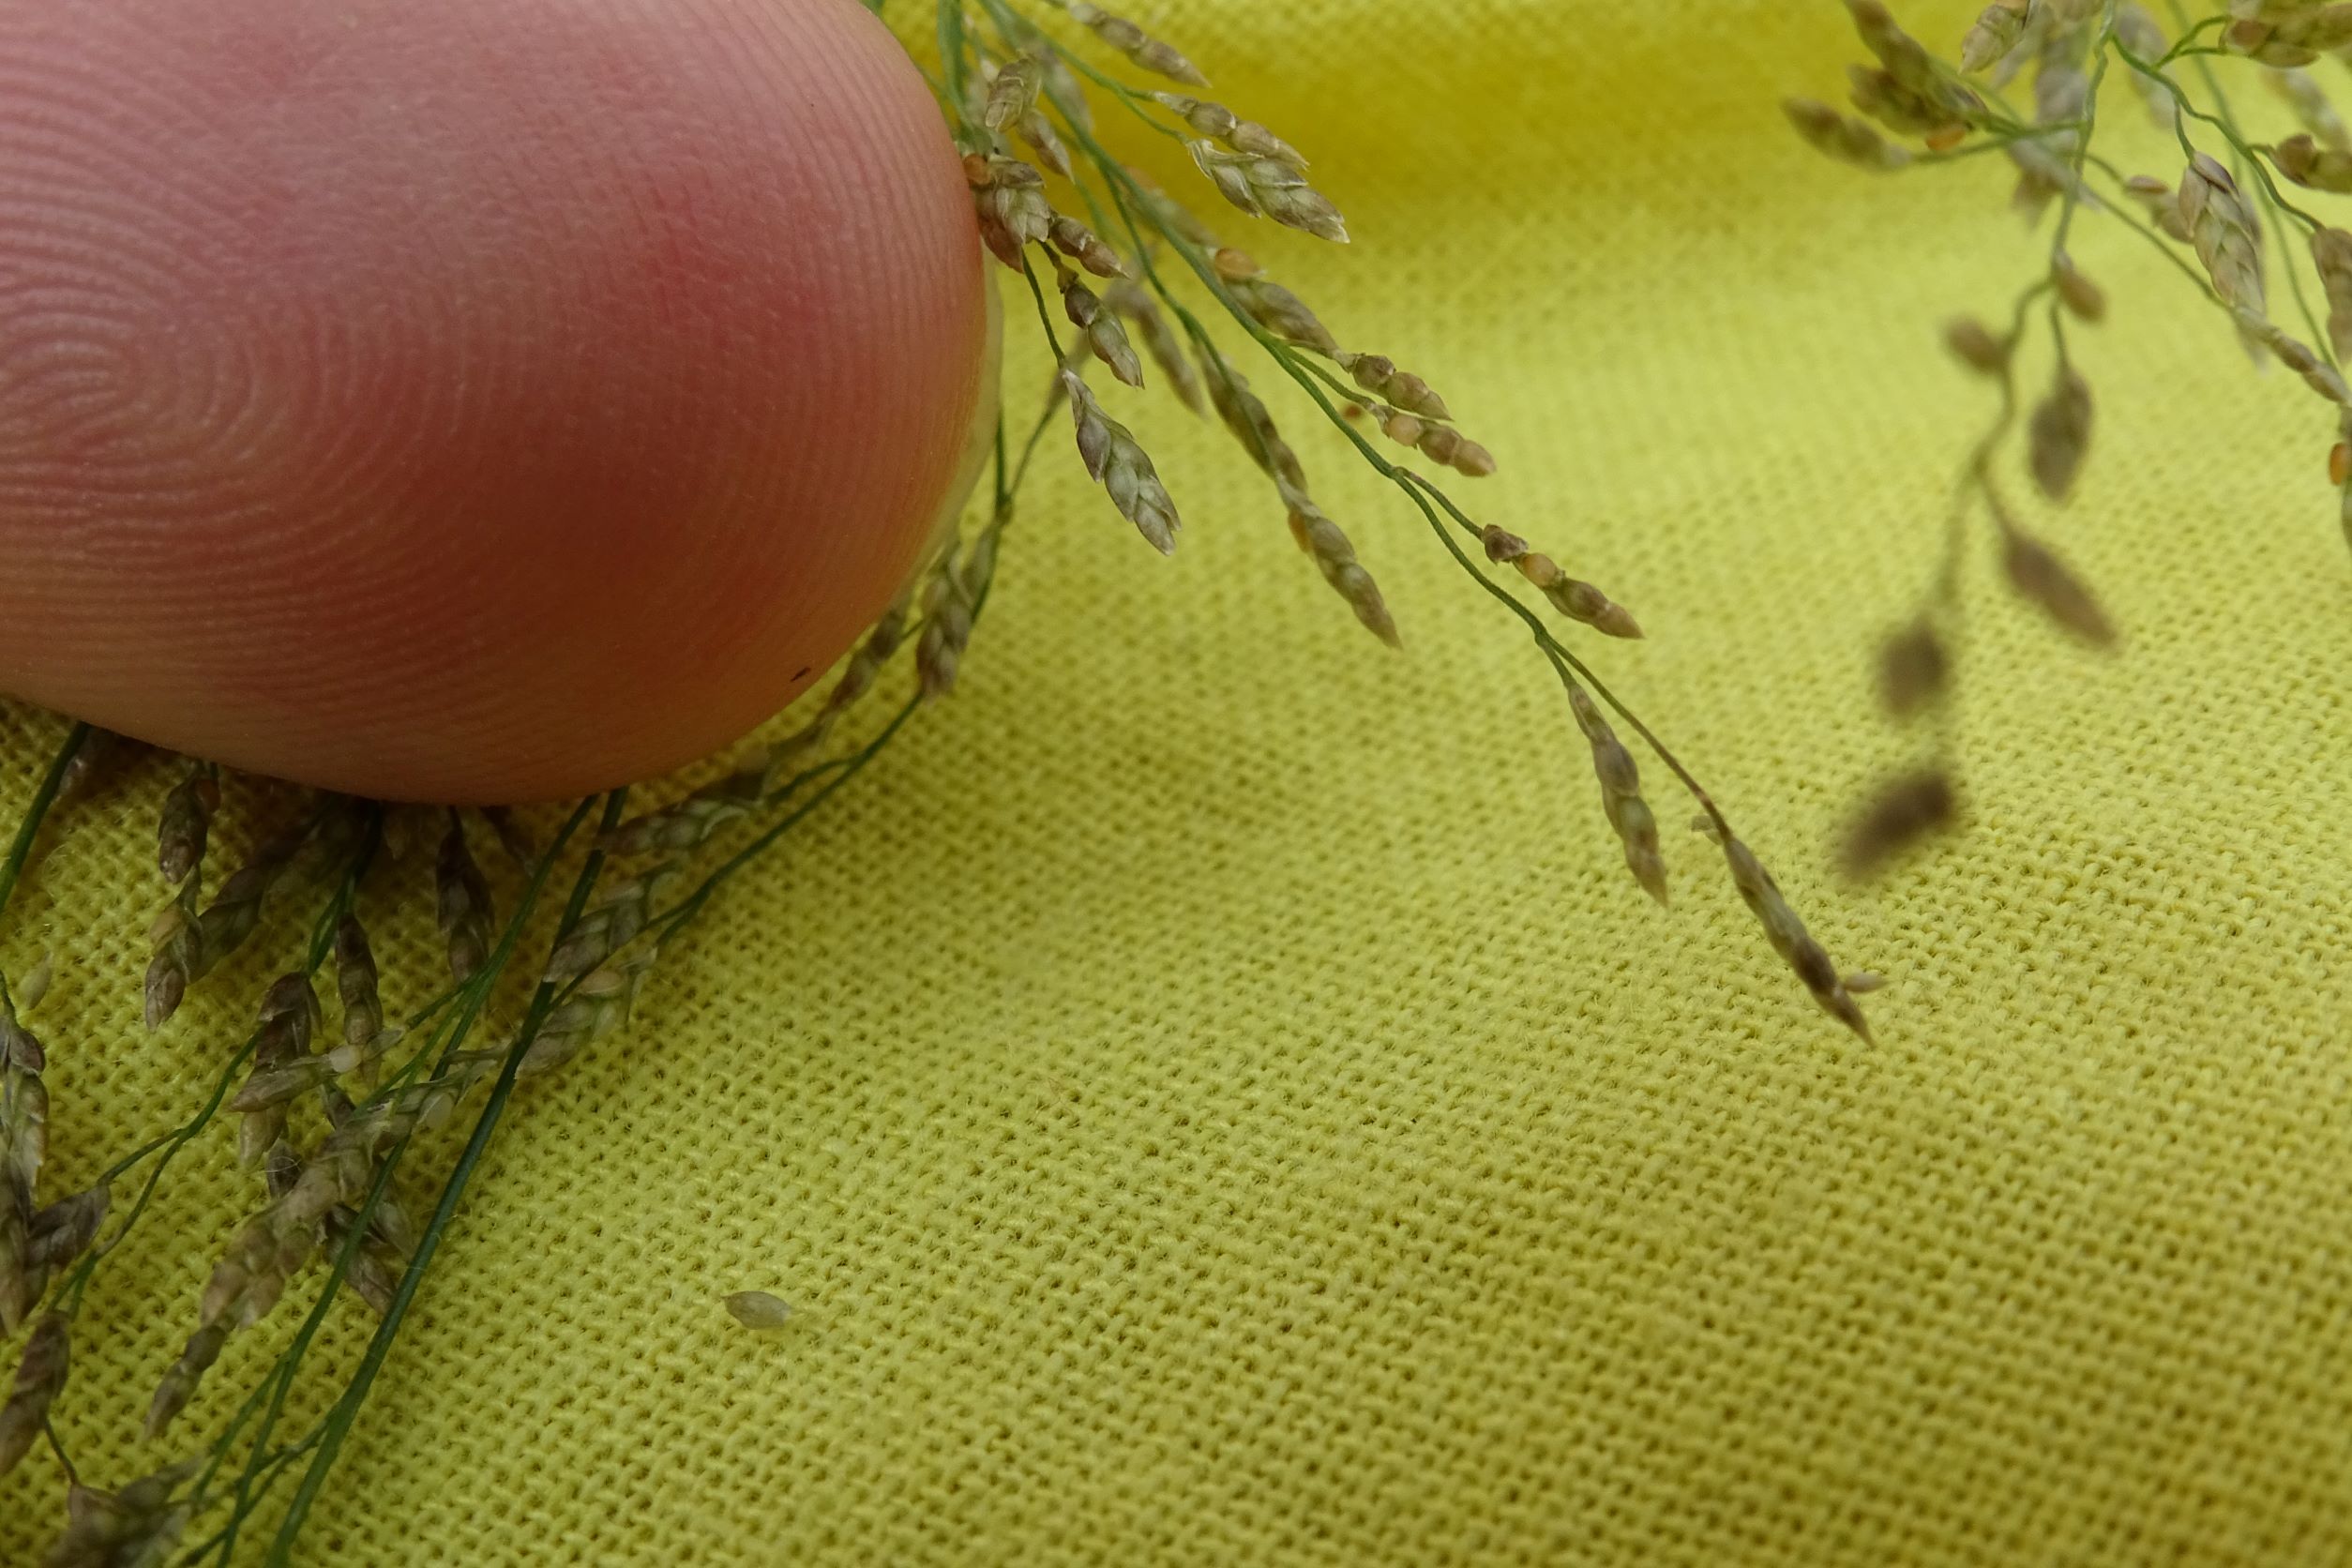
[
  {"x": 1270, "y": 188},
  {"x": 1271, "y": 306},
  {"x": 1837, "y": 136},
  {"x": 1997, "y": 28},
  {"x": 64, "y": 1230},
  {"x": 236, "y": 909},
  {"x": 1913, "y": 669},
  {"x": 1115, "y": 461},
  {"x": 2298, "y": 357},
  {"x": 947, "y": 610},
  {"x": 462, "y": 902},
  {"x": 1079, "y": 243},
  {"x": 2040, "y": 577},
  {"x": 41, "y": 1376},
  {"x": 1629, "y": 815},
  {"x": 1378, "y": 374},
  {"x": 138, "y": 1527},
  {"x": 2331, "y": 256},
  {"x": 356, "y": 982},
  {"x": 1578, "y": 602},
  {"x": 2085, "y": 300},
  {"x": 1324, "y": 541},
  {"x": 1010, "y": 198},
  {"x": 611, "y": 922},
  {"x": 1134, "y": 43},
  {"x": 185, "y": 822},
  {"x": 1903, "y": 812},
  {"x": 283, "y": 1067},
  {"x": 1789, "y": 938},
  {"x": 2223, "y": 228},
  {"x": 1160, "y": 339},
  {"x": 1104, "y": 337},
  {"x": 598, "y": 1005},
  {"x": 1977, "y": 346},
  {"x": 1220, "y": 124},
  {"x": 1246, "y": 416},
  {"x": 2058, "y": 434},
  {"x": 2307, "y": 163}
]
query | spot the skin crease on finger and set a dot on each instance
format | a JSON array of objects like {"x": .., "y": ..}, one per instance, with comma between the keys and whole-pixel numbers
[{"x": 468, "y": 400}]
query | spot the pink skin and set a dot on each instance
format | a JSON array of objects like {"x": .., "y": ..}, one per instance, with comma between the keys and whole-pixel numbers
[{"x": 467, "y": 399}]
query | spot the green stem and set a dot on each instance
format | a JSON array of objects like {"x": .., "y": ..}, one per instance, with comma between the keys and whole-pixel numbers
[{"x": 28, "y": 828}]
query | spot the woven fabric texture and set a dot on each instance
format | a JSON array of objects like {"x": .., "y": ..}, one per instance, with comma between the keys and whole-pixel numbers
[{"x": 1211, "y": 1093}]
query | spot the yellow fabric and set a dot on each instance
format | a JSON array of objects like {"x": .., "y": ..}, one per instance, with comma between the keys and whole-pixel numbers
[{"x": 1212, "y": 1094}]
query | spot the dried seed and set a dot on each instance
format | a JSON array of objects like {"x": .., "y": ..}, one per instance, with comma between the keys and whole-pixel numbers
[
  {"x": 2303, "y": 93},
  {"x": 757, "y": 1309},
  {"x": 1901, "y": 814}
]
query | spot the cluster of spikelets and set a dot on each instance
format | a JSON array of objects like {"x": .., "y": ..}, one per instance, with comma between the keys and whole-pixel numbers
[
  {"x": 1911, "y": 109},
  {"x": 331, "y": 1084},
  {"x": 1019, "y": 111}
]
